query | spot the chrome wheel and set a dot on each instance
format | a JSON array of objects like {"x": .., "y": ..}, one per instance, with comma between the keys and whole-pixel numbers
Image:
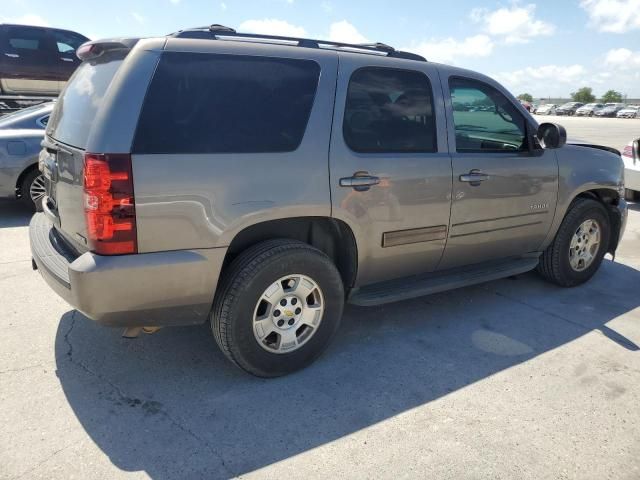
[
  {"x": 584, "y": 245},
  {"x": 288, "y": 314},
  {"x": 37, "y": 189}
]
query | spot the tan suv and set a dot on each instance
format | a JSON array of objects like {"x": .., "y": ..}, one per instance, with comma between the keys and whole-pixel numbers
[{"x": 258, "y": 183}]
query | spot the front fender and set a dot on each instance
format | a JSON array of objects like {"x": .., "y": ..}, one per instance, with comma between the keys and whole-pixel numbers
[{"x": 590, "y": 169}]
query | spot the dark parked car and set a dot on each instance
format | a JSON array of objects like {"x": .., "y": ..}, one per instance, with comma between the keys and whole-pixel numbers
[
  {"x": 569, "y": 108},
  {"x": 21, "y": 133},
  {"x": 35, "y": 62}
]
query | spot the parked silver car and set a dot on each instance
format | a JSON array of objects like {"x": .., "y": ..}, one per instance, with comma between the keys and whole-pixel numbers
[
  {"x": 547, "y": 109},
  {"x": 21, "y": 133},
  {"x": 589, "y": 109},
  {"x": 256, "y": 183}
]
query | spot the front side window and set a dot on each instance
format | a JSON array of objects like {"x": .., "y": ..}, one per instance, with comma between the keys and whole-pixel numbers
[
  {"x": 67, "y": 42},
  {"x": 210, "y": 103},
  {"x": 485, "y": 120},
  {"x": 389, "y": 111}
]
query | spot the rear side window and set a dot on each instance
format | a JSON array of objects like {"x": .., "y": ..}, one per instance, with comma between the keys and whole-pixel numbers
[
  {"x": 389, "y": 111},
  {"x": 78, "y": 105},
  {"x": 24, "y": 38},
  {"x": 209, "y": 103}
]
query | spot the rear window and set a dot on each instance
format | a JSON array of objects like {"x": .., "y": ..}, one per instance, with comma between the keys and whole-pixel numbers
[
  {"x": 78, "y": 105},
  {"x": 210, "y": 103}
]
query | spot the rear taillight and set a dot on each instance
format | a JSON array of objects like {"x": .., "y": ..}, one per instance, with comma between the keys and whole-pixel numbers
[
  {"x": 628, "y": 151},
  {"x": 109, "y": 204}
]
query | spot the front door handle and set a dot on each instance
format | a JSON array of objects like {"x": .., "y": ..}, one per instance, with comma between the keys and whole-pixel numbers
[
  {"x": 474, "y": 177},
  {"x": 12, "y": 55},
  {"x": 360, "y": 181}
]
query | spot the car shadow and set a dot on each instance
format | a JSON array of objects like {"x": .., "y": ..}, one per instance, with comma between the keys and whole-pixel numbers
[
  {"x": 14, "y": 214},
  {"x": 171, "y": 405}
]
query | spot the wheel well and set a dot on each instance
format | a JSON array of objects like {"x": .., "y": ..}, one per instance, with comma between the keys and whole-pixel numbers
[
  {"x": 610, "y": 200},
  {"x": 331, "y": 236},
  {"x": 21, "y": 177}
]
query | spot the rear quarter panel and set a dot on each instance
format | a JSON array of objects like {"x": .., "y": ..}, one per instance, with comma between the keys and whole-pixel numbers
[
  {"x": 17, "y": 153},
  {"x": 204, "y": 200}
]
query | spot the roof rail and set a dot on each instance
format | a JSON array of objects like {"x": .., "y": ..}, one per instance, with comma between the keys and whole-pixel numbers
[{"x": 217, "y": 31}]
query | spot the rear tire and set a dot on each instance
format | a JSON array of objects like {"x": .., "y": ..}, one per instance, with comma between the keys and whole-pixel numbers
[
  {"x": 32, "y": 190},
  {"x": 256, "y": 303},
  {"x": 556, "y": 261}
]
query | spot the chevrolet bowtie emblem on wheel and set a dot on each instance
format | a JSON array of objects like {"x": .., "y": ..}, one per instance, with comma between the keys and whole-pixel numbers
[{"x": 288, "y": 313}]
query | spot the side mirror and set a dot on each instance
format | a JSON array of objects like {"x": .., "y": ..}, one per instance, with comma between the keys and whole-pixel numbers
[{"x": 552, "y": 135}]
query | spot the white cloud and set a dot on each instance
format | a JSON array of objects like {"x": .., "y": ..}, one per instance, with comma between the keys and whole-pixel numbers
[
  {"x": 515, "y": 24},
  {"x": 175, "y": 2},
  {"x": 28, "y": 19},
  {"x": 272, "y": 26},
  {"x": 622, "y": 57},
  {"x": 556, "y": 79},
  {"x": 138, "y": 18},
  {"x": 326, "y": 6},
  {"x": 343, "y": 31},
  {"x": 223, "y": 6},
  {"x": 617, "y": 16},
  {"x": 449, "y": 50}
]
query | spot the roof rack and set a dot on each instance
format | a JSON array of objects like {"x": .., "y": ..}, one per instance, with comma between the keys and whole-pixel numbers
[{"x": 217, "y": 32}]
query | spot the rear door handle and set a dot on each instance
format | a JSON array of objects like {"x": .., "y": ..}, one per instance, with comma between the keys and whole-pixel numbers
[
  {"x": 66, "y": 59},
  {"x": 12, "y": 55},
  {"x": 474, "y": 177},
  {"x": 360, "y": 181}
]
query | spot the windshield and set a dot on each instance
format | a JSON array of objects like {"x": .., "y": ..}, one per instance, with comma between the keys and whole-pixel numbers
[{"x": 78, "y": 105}]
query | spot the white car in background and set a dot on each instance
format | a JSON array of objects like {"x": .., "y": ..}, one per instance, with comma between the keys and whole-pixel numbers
[
  {"x": 631, "y": 159},
  {"x": 632, "y": 111},
  {"x": 547, "y": 109}
]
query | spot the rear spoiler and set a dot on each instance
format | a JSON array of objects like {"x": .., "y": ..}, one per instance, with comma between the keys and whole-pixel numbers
[{"x": 94, "y": 49}]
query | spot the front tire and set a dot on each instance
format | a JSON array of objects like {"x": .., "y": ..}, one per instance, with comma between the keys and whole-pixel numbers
[
  {"x": 577, "y": 251},
  {"x": 277, "y": 308}
]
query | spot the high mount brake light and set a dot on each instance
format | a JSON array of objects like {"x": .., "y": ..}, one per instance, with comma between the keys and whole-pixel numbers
[
  {"x": 628, "y": 151},
  {"x": 109, "y": 205}
]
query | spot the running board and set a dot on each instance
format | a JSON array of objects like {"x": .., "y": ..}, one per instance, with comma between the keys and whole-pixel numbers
[{"x": 426, "y": 284}]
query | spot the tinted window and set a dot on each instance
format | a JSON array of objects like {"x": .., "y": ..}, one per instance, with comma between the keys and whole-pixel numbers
[
  {"x": 205, "y": 103},
  {"x": 389, "y": 111},
  {"x": 78, "y": 105},
  {"x": 68, "y": 42},
  {"x": 20, "y": 38},
  {"x": 485, "y": 119}
]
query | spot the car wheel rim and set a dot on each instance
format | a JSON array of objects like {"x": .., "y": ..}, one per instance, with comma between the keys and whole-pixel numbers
[
  {"x": 585, "y": 244},
  {"x": 37, "y": 189},
  {"x": 288, "y": 314}
]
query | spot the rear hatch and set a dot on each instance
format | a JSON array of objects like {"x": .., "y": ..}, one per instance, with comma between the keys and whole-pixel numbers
[{"x": 67, "y": 134}]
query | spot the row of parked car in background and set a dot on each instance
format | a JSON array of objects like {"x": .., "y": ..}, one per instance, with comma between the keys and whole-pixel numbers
[{"x": 619, "y": 110}]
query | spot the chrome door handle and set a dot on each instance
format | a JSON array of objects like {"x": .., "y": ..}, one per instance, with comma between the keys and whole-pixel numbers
[
  {"x": 474, "y": 177},
  {"x": 66, "y": 59},
  {"x": 360, "y": 181},
  {"x": 12, "y": 55}
]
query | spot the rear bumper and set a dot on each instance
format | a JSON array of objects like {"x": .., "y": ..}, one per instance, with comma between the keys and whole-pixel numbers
[{"x": 150, "y": 289}]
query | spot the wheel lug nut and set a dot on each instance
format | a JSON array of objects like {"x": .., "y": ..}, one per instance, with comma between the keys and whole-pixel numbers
[
  {"x": 276, "y": 313},
  {"x": 294, "y": 301},
  {"x": 298, "y": 310},
  {"x": 280, "y": 322},
  {"x": 283, "y": 302},
  {"x": 292, "y": 321}
]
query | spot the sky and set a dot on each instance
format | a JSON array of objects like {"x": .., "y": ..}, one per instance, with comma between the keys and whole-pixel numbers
[{"x": 546, "y": 48}]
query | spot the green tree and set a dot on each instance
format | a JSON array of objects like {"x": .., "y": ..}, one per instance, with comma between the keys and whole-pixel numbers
[
  {"x": 584, "y": 95},
  {"x": 526, "y": 97},
  {"x": 612, "y": 97}
]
